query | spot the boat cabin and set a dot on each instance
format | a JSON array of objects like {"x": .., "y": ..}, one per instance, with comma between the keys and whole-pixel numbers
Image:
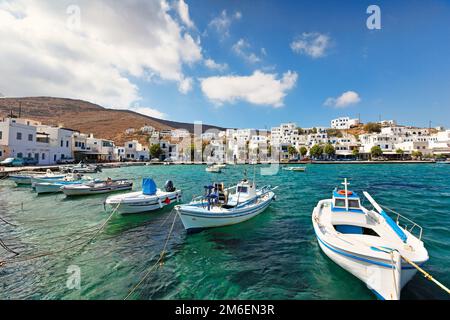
[
  {"x": 346, "y": 201},
  {"x": 245, "y": 190}
]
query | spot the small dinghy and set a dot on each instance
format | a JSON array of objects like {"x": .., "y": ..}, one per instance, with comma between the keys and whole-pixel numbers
[
  {"x": 23, "y": 178},
  {"x": 149, "y": 199},
  {"x": 94, "y": 187},
  {"x": 221, "y": 207},
  {"x": 300, "y": 169},
  {"x": 54, "y": 186},
  {"x": 47, "y": 177},
  {"x": 83, "y": 168},
  {"x": 367, "y": 243},
  {"x": 213, "y": 169}
]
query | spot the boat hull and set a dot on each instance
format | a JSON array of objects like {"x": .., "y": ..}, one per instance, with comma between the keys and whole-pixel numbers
[
  {"x": 42, "y": 188},
  {"x": 195, "y": 221},
  {"x": 152, "y": 203},
  {"x": 70, "y": 192},
  {"x": 21, "y": 180},
  {"x": 376, "y": 274}
]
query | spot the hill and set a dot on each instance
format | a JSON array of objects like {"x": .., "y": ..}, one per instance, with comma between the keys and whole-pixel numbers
[{"x": 87, "y": 117}]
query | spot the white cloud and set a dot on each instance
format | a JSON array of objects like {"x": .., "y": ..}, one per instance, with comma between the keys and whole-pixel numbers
[
  {"x": 241, "y": 48},
  {"x": 313, "y": 44},
  {"x": 185, "y": 85},
  {"x": 183, "y": 12},
  {"x": 116, "y": 41},
  {"x": 149, "y": 112},
  {"x": 222, "y": 22},
  {"x": 211, "y": 64},
  {"x": 344, "y": 100},
  {"x": 259, "y": 88}
]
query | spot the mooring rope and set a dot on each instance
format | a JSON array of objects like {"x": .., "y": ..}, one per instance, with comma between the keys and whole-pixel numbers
[
  {"x": 50, "y": 253},
  {"x": 160, "y": 260},
  {"x": 4, "y": 246},
  {"x": 426, "y": 274}
]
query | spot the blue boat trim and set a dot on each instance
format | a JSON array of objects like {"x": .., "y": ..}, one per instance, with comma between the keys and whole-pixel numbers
[
  {"x": 394, "y": 226},
  {"x": 407, "y": 267}
]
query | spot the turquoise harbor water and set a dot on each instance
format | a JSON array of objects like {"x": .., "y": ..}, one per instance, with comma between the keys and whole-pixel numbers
[{"x": 273, "y": 256}]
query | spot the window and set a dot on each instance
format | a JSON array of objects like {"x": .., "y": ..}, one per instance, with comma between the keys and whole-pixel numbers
[
  {"x": 242, "y": 189},
  {"x": 54, "y": 157},
  {"x": 1, "y": 135},
  {"x": 1, "y": 153},
  {"x": 29, "y": 155},
  {"x": 62, "y": 142},
  {"x": 43, "y": 156},
  {"x": 30, "y": 137},
  {"x": 130, "y": 146},
  {"x": 339, "y": 203},
  {"x": 19, "y": 136},
  {"x": 20, "y": 155},
  {"x": 353, "y": 204},
  {"x": 67, "y": 143}
]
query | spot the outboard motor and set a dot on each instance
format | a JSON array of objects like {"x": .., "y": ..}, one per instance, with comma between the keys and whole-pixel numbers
[{"x": 168, "y": 186}]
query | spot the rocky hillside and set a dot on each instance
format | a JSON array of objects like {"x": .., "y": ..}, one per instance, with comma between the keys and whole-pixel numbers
[{"x": 87, "y": 117}]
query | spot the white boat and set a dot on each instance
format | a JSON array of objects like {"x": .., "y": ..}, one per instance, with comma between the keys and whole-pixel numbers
[
  {"x": 220, "y": 165},
  {"x": 213, "y": 169},
  {"x": 221, "y": 207},
  {"x": 47, "y": 177},
  {"x": 368, "y": 243},
  {"x": 84, "y": 168},
  {"x": 94, "y": 187},
  {"x": 54, "y": 186},
  {"x": 23, "y": 178},
  {"x": 293, "y": 168},
  {"x": 149, "y": 199}
]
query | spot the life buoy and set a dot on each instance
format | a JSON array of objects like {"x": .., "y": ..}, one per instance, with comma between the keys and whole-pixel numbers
[{"x": 342, "y": 192}]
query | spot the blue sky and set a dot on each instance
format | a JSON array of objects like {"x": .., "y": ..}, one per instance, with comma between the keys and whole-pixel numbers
[
  {"x": 400, "y": 72},
  {"x": 234, "y": 63}
]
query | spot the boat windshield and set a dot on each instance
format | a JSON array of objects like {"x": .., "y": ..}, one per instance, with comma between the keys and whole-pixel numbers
[
  {"x": 242, "y": 189},
  {"x": 352, "y": 203}
]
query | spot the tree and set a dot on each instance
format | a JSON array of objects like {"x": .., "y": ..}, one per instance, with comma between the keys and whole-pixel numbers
[
  {"x": 303, "y": 151},
  {"x": 416, "y": 154},
  {"x": 376, "y": 151},
  {"x": 372, "y": 127},
  {"x": 329, "y": 150},
  {"x": 355, "y": 152},
  {"x": 316, "y": 151},
  {"x": 155, "y": 151},
  {"x": 292, "y": 151},
  {"x": 300, "y": 131},
  {"x": 400, "y": 152}
]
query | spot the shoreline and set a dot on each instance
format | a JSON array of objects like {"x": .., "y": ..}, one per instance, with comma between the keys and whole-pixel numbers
[{"x": 112, "y": 165}]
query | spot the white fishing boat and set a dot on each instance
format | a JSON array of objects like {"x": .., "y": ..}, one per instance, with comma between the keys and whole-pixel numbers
[
  {"x": 213, "y": 169},
  {"x": 293, "y": 168},
  {"x": 47, "y": 177},
  {"x": 221, "y": 207},
  {"x": 220, "y": 165},
  {"x": 83, "y": 168},
  {"x": 54, "y": 186},
  {"x": 149, "y": 199},
  {"x": 23, "y": 178},
  {"x": 94, "y": 187},
  {"x": 369, "y": 244}
]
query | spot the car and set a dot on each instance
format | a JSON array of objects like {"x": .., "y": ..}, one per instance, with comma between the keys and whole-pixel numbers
[
  {"x": 66, "y": 161},
  {"x": 7, "y": 162},
  {"x": 18, "y": 162},
  {"x": 30, "y": 161}
]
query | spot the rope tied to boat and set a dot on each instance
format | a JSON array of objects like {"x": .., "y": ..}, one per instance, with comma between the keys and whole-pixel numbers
[
  {"x": 425, "y": 274},
  {"x": 160, "y": 261},
  {"x": 50, "y": 253}
]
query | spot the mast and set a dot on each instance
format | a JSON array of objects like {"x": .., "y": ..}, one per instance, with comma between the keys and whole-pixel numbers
[{"x": 345, "y": 183}]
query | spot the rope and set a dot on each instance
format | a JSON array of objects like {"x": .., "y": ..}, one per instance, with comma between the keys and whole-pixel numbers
[
  {"x": 427, "y": 275},
  {"x": 159, "y": 262},
  {"x": 4, "y": 246},
  {"x": 83, "y": 244},
  {"x": 7, "y": 222}
]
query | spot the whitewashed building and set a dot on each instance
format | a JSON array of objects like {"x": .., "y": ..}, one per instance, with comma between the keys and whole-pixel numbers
[{"x": 344, "y": 123}]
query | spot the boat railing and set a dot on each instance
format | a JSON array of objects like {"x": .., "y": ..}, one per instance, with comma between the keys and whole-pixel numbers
[
  {"x": 405, "y": 222},
  {"x": 264, "y": 190}
]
